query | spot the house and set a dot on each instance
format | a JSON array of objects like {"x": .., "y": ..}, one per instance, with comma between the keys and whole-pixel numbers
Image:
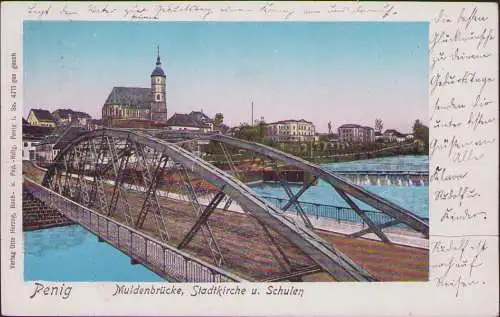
[
  {"x": 185, "y": 122},
  {"x": 41, "y": 118},
  {"x": 291, "y": 130},
  {"x": 69, "y": 116},
  {"x": 203, "y": 118},
  {"x": 32, "y": 136},
  {"x": 409, "y": 137},
  {"x": 49, "y": 147},
  {"x": 392, "y": 135},
  {"x": 355, "y": 133}
]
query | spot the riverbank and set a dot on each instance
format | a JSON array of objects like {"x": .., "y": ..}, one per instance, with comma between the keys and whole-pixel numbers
[
  {"x": 358, "y": 156},
  {"x": 311, "y": 152}
]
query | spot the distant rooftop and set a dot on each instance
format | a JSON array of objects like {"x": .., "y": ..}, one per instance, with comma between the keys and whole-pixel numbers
[
  {"x": 291, "y": 121},
  {"x": 393, "y": 132},
  {"x": 65, "y": 113},
  {"x": 184, "y": 120},
  {"x": 200, "y": 116},
  {"x": 353, "y": 125}
]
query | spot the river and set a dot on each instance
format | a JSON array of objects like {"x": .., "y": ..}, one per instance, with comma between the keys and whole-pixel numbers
[
  {"x": 412, "y": 198},
  {"x": 71, "y": 253}
]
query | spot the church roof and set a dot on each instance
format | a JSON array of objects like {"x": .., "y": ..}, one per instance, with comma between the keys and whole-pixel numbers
[{"x": 140, "y": 97}]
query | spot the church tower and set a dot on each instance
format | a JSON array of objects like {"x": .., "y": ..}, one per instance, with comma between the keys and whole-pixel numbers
[{"x": 158, "y": 92}]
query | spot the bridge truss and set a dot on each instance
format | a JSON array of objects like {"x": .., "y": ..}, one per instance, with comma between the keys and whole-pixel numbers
[
  {"x": 350, "y": 193},
  {"x": 163, "y": 189}
]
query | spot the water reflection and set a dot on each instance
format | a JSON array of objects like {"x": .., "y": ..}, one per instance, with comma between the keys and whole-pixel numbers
[{"x": 42, "y": 241}]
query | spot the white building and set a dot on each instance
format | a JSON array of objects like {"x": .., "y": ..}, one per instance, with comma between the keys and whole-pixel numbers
[
  {"x": 32, "y": 137},
  {"x": 291, "y": 130},
  {"x": 391, "y": 135},
  {"x": 355, "y": 133}
]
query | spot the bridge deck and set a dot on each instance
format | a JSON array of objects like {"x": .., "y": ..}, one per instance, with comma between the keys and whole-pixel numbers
[{"x": 247, "y": 251}]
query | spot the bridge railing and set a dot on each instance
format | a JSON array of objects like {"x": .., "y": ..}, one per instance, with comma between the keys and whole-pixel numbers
[
  {"x": 159, "y": 257},
  {"x": 337, "y": 213}
]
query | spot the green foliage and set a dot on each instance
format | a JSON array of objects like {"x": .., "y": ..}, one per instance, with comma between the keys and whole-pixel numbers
[
  {"x": 324, "y": 138},
  {"x": 256, "y": 133},
  {"x": 219, "y": 118},
  {"x": 249, "y": 133},
  {"x": 421, "y": 132}
]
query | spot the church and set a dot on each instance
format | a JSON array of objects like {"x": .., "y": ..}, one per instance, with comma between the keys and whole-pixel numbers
[{"x": 135, "y": 104}]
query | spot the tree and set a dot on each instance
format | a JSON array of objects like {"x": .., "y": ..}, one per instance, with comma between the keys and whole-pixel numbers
[
  {"x": 262, "y": 127},
  {"x": 251, "y": 133},
  {"x": 329, "y": 127},
  {"x": 219, "y": 118},
  {"x": 379, "y": 125},
  {"x": 417, "y": 125},
  {"x": 421, "y": 132}
]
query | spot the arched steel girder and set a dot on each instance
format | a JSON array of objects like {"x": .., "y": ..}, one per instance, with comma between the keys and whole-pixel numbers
[
  {"x": 342, "y": 186},
  {"x": 332, "y": 261}
]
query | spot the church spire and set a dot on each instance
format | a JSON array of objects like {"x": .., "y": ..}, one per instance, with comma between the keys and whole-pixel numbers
[
  {"x": 158, "y": 71},
  {"x": 158, "y": 62}
]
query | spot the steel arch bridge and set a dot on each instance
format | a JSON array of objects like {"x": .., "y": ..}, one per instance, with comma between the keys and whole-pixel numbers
[{"x": 152, "y": 182}]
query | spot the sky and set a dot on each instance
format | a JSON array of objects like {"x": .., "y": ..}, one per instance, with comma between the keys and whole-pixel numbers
[{"x": 343, "y": 72}]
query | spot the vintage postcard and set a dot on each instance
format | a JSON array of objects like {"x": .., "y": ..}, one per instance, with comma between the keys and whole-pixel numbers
[{"x": 201, "y": 158}]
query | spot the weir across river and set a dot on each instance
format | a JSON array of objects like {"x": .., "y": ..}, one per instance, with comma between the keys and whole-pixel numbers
[{"x": 205, "y": 225}]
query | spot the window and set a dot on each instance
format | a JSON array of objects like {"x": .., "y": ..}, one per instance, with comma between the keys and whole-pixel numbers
[
  {"x": 25, "y": 144},
  {"x": 158, "y": 97}
]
